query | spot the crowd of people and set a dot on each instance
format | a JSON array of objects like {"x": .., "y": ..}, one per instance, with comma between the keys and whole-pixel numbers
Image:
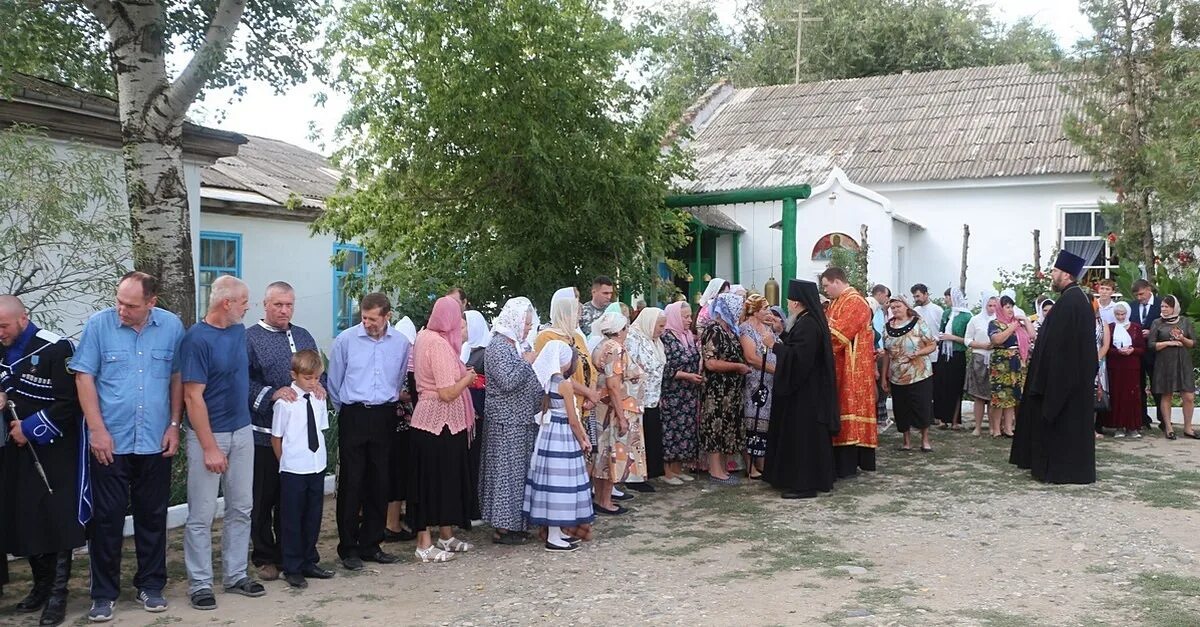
[{"x": 532, "y": 429}]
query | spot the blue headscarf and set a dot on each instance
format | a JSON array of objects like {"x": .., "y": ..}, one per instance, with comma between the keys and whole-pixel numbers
[{"x": 727, "y": 307}]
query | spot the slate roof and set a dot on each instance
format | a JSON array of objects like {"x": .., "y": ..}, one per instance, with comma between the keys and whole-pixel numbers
[
  {"x": 934, "y": 126},
  {"x": 276, "y": 170}
]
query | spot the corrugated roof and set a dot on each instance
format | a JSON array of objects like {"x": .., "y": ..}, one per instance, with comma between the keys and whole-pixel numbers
[
  {"x": 276, "y": 170},
  {"x": 953, "y": 124}
]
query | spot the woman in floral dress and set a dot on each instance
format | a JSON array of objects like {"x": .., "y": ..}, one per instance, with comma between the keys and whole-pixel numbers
[
  {"x": 1011, "y": 339},
  {"x": 620, "y": 451},
  {"x": 908, "y": 344},
  {"x": 680, "y": 401},
  {"x": 722, "y": 429}
]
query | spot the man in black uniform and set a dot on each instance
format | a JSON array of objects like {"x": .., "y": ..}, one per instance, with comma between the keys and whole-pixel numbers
[{"x": 42, "y": 514}]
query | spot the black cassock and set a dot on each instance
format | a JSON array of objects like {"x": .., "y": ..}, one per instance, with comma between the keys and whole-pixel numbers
[
  {"x": 1055, "y": 430},
  {"x": 804, "y": 411},
  {"x": 33, "y": 521}
]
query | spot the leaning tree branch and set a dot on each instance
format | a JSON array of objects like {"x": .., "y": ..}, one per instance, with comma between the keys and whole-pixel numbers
[{"x": 217, "y": 38}]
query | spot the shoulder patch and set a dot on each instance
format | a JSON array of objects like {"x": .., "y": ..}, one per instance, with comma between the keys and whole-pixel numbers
[{"x": 50, "y": 336}]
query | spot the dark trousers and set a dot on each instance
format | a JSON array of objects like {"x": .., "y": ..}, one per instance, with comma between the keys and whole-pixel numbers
[
  {"x": 146, "y": 481},
  {"x": 300, "y": 501},
  {"x": 364, "y": 446},
  {"x": 264, "y": 519},
  {"x": 1148, "y": 382}
]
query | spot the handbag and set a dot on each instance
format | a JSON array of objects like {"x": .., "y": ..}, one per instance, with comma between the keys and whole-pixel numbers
[{"x": 1102, "y": 400}]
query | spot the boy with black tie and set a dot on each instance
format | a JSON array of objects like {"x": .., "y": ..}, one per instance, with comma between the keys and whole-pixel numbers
[{"x": 296, "y": 436}]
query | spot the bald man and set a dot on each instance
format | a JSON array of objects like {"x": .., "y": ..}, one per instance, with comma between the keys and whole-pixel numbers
[{"x": 46, "y": 526}]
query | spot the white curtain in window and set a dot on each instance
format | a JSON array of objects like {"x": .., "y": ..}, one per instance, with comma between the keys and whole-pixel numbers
[{"x": 1088, "y": 249}]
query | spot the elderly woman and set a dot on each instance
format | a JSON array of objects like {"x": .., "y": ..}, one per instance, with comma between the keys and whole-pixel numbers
[
  {"x": 757, "y": 338},
  {"x": 908, "y": 344},
  {"x": 680, "y": 400},
  {"x": 978, "y": 386},
  {"x": 1103, "y": 344},
  {"x": 1125, "y": 375},
  {"x": 647, "y": 352},
  {"x": 722, "y": 426},
  {"x": 439, "y": 492},
  {"x": 950, "y": 368},
  {"x": 715, "y": 288},
  {"x": 1172, "y": 338},
  {"x": 1011, "y": 337},
  {"x": 620, "y": 451},
  {"x": 514, "y": 397}
]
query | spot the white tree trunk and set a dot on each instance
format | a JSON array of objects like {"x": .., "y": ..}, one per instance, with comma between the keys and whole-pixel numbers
[{"x": 151, "y": 111}]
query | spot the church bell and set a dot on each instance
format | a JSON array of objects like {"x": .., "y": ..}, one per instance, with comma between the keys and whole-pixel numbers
[{"x": 771, "y": 291}]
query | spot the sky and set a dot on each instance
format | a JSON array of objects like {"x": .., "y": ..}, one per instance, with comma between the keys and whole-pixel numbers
[{"x": 293, "y": 116}]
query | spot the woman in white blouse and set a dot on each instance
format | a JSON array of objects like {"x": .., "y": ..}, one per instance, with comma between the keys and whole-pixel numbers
[{"x": 646, "y": 350}]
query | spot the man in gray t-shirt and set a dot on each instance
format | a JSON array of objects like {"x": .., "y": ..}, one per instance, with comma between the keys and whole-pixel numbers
[{"x": 602, "y": 296}]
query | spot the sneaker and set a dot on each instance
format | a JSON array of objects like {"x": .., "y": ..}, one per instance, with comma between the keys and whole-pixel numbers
[
  {"x": 152, "y": 601},
  {"x": 1119, "y": 434},
  {"x": 676, "y": 481},
  {"x": 1137, "y": 435},
  {"x": 101, "y": 612},
  {"x": 686, "y": 477}
]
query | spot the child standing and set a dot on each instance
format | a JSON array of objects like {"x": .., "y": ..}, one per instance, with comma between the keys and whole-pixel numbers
[
  {"x": 296, "y": 436},
  {"x": 558, "y": 492}
]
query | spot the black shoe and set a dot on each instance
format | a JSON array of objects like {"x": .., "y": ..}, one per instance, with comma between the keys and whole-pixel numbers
[
  {"x": 797, "y": 494},
  {"x": 624, "y": 497},
  {"x": 316, "y": 572},
  {"x": 42, "y": 568},
  {"x": 404, "y": 535},
  {"x": 554, "y": 548},
  {"x": 203, "y": 599},
  {"x": 56, "y": 606},
  {"x": 615, "y": 511},
  {"x": 34, "y": 601},
  {"x": 382, "y": 558},
  {"x": 295, "y": 580},
  {"x": 640, "y": 486},
  {"x": 352, "y": 563}
]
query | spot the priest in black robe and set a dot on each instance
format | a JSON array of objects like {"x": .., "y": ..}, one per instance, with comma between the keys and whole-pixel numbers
[
  {"x": 36, "y": 523},
  {"x": 1055, "y": 430},
  {"x": 804, "y": 412}
]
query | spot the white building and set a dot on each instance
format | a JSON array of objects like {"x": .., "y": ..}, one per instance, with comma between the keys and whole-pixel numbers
[
  {"x": 912, "y": 157},
  {"x": 252, "y": 202}
]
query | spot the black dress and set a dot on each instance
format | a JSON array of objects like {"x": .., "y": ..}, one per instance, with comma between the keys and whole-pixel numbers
[
  {"x": 1055, "y": 421},
  {"x": 804, "y": 413}
]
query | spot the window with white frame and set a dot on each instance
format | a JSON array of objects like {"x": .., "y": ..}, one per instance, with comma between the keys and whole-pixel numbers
[{"x": 1085, "y": 233}]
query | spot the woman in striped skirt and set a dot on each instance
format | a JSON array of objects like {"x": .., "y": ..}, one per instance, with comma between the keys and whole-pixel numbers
[{"x": 558, "y": 492}]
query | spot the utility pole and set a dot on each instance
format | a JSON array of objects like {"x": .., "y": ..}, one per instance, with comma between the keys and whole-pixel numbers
[{"x": 800, "y": 20}]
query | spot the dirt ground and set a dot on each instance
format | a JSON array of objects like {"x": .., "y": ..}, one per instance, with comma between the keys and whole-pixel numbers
[{"x": 953, "y": 537}]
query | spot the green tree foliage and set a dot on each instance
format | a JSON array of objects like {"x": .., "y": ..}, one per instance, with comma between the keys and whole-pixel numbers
[
  {"x": 1140, "y": 117},
  {"x": 58, "y": 41},
  {"x": 854, "y": 38},
  {"x": 64, "y": 231},
  {"x": 493, "y": 147}
]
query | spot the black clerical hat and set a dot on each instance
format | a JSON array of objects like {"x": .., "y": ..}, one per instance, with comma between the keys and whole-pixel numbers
[
  {"x": 1070, "y": 263},
  {"x": 803, "y": 291}
]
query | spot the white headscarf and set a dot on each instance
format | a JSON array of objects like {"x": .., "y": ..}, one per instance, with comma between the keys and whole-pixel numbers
[
  {"x": 478, "y": 334},
  {"x": 608, "y": 322},
  {"x": 564, "y": 311},
  {"x": 566, "y": 292},
  {"x": 710, "y": 292},
  {"x": 554, "y": 357},
  {"x": 958, "y": 305},
  {"x": 1121, "y": 337},
  {"x": 511, "y": 320},
  {"x": 644, "y": 327},
  {"x": 1011, "y": 293},
  {"x": 406, "y": 328}
]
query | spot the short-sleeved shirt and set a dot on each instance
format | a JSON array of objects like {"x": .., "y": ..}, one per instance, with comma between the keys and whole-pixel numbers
[
  {"x": 916, "y": 369},
  {"x": 218, "y": 359},
  {"x": 588, "y": 313},
  {"x": 133, "y": 376},
  {"x": 289, "y": 422}
]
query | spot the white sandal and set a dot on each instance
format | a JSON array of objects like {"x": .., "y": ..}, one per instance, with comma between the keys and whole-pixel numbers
[
  {"x": 433, "y": 554},
  {"x": 454, "y": 545}
]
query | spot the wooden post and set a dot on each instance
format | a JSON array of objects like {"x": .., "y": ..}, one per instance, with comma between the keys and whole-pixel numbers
[
  {"x": 1037, "y": 250},
  {"x": 962, "y": 274},
  {"x": 863, "y": 252}
]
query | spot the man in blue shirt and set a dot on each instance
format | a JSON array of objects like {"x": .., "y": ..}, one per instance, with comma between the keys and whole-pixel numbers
[
  {"x": 367, "y": 367},
  {"x": 220, "y": 447},
  {"x": 129, "y": 388}
]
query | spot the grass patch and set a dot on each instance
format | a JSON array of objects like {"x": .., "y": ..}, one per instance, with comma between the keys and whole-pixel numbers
[
  {"x": 875, "y": 596},
  {"x": 370, "y": 598},
  {"x": 999, "y": 618},
  {"x": 1168, "y": 600},
  {"x": 1100, "y": 569},
  {"x": 304, "y": 620}
]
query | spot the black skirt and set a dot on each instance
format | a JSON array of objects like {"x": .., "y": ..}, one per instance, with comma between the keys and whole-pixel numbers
[
  {"x": 949, "y": 379},
  {"x": 913, "y": 405},
  {"x": 439, "y": 483},
  {"x": 398, "y": 464},
  {"x": 653, "y": 432}
]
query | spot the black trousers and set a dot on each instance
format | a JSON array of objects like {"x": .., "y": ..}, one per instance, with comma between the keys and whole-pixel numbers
[
  {"x": 146, "y": 481},
  {"x": 1148, "y": 381},
  {"x": 365, "y": 437},
  {"x": 300, "y": 501},
  {"x": 265, "y": 529}
]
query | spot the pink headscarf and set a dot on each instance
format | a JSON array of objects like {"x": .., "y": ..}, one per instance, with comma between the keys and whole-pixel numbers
[
  {"x": 446, "y": 321},
  {"x": 1021, "y": 333},
  {"x": 675, "y": 324}
]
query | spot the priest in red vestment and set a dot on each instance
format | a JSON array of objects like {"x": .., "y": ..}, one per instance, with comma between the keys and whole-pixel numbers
[{"x": 854, "y": 359}]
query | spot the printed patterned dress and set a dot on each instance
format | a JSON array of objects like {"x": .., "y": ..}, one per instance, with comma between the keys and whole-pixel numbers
[
  {"x": 509, "y": 433},
  {"x": 680, "y": 401},
  {"x": 756, "y": 429},
  {"x": 1008, "y": 373},
  {"x": 558, "y": 492},
  {"x": 722, "y": 419},
  {"x": 618, "y": 458}
]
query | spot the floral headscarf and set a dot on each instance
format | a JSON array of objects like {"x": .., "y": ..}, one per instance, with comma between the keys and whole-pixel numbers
[
  {"x": 727, "y": 307},
  {"x": 511, "y": 321}
]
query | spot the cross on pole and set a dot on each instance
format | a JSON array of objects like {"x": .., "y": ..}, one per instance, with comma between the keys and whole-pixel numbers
[{"x": 800, "y": 20}]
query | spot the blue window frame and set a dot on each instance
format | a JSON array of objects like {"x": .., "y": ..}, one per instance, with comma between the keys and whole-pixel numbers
[
  {"x": 220, "y": 254},
  {"x": 349, "y": 276}
]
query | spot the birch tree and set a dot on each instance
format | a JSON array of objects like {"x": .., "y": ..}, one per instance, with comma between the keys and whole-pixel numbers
[{"x": 139, "y": 36}]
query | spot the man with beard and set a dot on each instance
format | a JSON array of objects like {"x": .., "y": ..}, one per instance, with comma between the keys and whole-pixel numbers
[
  {"x": 804, "y": 413},
  {"x": 1055, "y": 422},
  {"x": 854, "y": 363}
]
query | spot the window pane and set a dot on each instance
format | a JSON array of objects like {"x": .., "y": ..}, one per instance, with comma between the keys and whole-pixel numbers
[
  {"x": 1101, "y": 225},
  {"x": 1078, "y": 224},
  {"x": 230, "y": 254}
]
